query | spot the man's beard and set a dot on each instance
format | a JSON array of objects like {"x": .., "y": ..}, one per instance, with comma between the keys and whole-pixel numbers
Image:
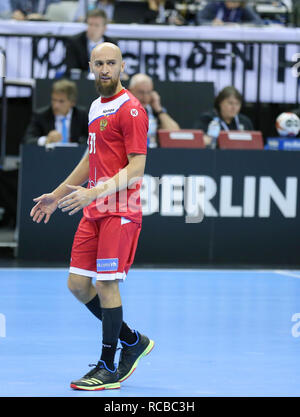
[{"x": 106, "y": 90}]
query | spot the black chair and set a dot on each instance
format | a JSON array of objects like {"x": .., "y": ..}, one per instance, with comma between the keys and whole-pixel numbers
[{"x": 130, "y": 11}]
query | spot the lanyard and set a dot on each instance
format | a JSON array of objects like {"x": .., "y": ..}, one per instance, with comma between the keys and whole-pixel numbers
[{"x": 224, "y": 125}]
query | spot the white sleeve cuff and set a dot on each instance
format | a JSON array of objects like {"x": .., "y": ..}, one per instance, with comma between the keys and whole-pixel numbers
[{"x": 42, "y": 141}]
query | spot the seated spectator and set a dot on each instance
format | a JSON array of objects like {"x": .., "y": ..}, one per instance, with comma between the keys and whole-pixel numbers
[
  {"x": 30, "y": 9},
  {"x": 225, "y": 116},
  {"x": 221, "y": 12},
  {"x": 62, "y": 121},
  {"x": 80, "y": 46},
  {"x": 5, "y": 9},
  {"x": 162, "y": 12},
  {"x": 141, "y": 86},
  {"x": 107, "y": 5}
]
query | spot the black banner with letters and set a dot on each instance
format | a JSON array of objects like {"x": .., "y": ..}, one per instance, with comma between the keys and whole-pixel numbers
[{"x": 200, "y": 207}]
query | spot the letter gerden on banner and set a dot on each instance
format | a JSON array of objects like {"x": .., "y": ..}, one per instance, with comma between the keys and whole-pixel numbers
[{"x": 210, "y": 59}]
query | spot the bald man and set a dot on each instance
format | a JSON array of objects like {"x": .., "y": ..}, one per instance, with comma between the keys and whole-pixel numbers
[
  {"x": 141, "y": 86},
  {"x": 106, "y": 238}
]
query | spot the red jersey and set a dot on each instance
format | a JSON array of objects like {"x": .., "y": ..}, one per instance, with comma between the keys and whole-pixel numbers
[{"x": 118, "y": 127}]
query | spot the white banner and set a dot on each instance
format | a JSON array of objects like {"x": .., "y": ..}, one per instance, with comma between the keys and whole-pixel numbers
[{"x": 262, "y": 71}]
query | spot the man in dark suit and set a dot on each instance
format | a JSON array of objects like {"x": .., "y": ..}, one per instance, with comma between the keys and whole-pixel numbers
[
  {"x": 62, "y": 121},
  {"x": 80, "y": 46},
  {"x": 223, "y": 12},
  {"x": 30, "y": 9}
]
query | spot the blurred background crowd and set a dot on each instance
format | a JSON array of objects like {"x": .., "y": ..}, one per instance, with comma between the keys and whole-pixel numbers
[{"x": 185, "y": 12}]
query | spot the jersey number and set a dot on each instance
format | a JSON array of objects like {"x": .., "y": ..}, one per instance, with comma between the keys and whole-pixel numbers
[{"x": 92, "y": 142}]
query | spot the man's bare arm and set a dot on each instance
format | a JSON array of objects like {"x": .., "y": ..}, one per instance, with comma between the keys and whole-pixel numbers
[
  {"x": 166, "y": 122},
  {"x": 82, "y": 197},
  {"x": 127, "y": 176},
  {"x": 46, "y": 204},
  {"x": 77, "y": 177}
]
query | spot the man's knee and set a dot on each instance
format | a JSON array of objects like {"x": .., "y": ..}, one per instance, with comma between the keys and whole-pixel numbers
[
  {"x": 107, "y": 286},
  {"x": 80, "y": 286},
  {"x": 108, "y": 292}
]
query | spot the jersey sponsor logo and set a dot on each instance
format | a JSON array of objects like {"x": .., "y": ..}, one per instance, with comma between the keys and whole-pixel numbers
[
  {"x": 107, "y": 265},
  {"x": 108, "y": 110},
  {"x": 103, "y": 124},
  {"x": 134, "y": 112}
]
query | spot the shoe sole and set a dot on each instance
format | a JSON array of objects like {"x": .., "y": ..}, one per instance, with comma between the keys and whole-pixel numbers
[
  {"x": 133, "y": 368},
  {"x": 115, "y": 385}
]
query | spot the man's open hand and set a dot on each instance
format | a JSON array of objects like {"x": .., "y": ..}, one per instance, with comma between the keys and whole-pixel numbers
[
  {"x": 77, "y": 200},
  {"x": 46, "y": 205}
]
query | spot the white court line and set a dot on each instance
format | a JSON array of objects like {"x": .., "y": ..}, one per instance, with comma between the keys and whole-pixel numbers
[
  {"x": 287, "y": 273},
  {"x": 30, "y": 268},
  {"x": 236, "y": 271},
  {"x": 213, "y": 271},
  {"x": 180, "y": 270}
]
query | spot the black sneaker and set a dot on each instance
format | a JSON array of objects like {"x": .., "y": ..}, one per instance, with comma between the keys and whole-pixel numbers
[
  {"x": 131, "y": 354},
  {"x": 99, "y": 378}
]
